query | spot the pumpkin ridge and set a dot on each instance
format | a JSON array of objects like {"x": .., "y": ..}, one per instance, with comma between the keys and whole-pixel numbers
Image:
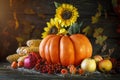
[
  {"x": 47, "y": 50},
  {"x": 74, "y": 49},
  {"x": 66, "y": 51},
  {"x": 80, "y": 47},
  {"x": 88, "y": 43},
  {"x": 54, "y": 49},
  {"x": 42, "y": 46}
]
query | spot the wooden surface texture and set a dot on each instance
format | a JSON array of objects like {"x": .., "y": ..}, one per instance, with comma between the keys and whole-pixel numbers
[{"x": 6, "y": 73}]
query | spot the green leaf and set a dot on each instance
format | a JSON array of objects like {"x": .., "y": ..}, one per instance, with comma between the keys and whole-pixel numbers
[
  {"x": 100, "y": 39},
  {"x": 87, "y": 30},
  {"x": 75, "y": 28},
  {"x": 97, "y": 32},
  {"x": 57, "y": 4}
]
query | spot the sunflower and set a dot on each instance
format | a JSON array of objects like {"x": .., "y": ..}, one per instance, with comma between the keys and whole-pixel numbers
[
  {"x": 66, "y": 14},
  {"x": 52, "y": 28}
]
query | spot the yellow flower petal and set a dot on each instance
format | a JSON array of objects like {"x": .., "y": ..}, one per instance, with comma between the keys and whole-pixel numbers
[{"x": 70, "y": 11}]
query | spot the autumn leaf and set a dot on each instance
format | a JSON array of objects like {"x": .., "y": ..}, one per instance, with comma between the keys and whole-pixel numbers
[
  {"x": 87, "y": 30},
  {"x": 100, "y": 39},
  {"x": 99, "y": 7},
  {"x": 97, "y": 32},
  {"x": 96, "y": 17}
]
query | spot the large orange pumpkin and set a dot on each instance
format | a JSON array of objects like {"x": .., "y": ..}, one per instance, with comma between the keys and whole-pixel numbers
[{"x": 65, "y": 49}]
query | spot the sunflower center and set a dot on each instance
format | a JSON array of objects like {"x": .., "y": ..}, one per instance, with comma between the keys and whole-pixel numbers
[
  {"x": 66, "y": 14},
  {"x": 53, "y": 30}
]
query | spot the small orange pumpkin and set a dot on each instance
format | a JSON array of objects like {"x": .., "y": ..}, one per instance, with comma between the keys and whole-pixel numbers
[{"x": 65, "y": 49}]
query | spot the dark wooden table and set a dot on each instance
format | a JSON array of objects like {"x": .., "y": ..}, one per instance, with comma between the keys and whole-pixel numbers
[{"x": 20, "y": 74}]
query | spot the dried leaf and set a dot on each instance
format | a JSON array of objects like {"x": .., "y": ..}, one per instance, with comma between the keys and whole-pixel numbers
[
  {"x": 95, "y": 18},
  {"x": 87, "y": 30},
  {"x": 97, "y": 32},
  {"x": 29, "y": 11},
  {"x": 99, "y": 7},
  {"x": 100, "y": 39}
]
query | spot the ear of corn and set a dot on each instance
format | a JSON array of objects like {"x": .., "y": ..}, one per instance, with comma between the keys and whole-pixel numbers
[
  {"x": 30, "y": 49},
  {"x": 22, "y": 58},
  {"x": 33, "y": 43},
  {"x": 13, "y": 57},
  {"x": 27, "y": 50},
  {"x": 20, "y": 50}
]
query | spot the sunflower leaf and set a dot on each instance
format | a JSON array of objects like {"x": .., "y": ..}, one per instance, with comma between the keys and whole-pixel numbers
[
  {"x": 57, "y": 4},
  {"x": 75, "y": 28},
  {"x": 70, "y": 30}
]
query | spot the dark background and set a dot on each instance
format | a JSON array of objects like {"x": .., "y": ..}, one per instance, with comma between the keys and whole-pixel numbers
[{"x": 31, "y": 17}]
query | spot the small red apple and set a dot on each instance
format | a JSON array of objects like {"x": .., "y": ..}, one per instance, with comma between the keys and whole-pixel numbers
[{"x": 98, "y": 58}]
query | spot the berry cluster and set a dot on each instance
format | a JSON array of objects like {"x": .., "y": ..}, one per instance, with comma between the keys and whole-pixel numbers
[{"x": 45, "y": 67}]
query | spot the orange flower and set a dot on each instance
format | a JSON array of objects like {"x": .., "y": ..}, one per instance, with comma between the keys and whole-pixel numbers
[
  {"x": 81, "y": 71},
  {"x": 73, "y": 69},
  {"x": 64, "y": 71}
]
